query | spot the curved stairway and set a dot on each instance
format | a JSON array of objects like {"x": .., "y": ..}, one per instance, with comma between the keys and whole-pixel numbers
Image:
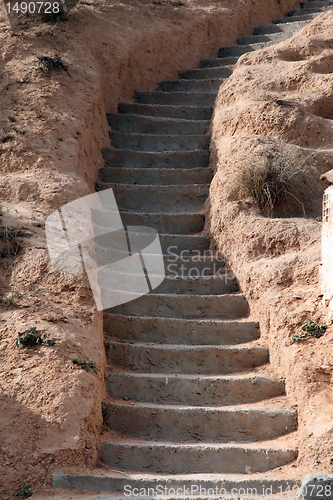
[{"x": 189, "y": 398}]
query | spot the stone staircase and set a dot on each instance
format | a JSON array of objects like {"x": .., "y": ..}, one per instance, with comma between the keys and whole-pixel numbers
[{"x": 190, "y": 400}]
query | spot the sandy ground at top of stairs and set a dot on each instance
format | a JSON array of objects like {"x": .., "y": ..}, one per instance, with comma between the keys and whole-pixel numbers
[{"x": 279, "y": 103}]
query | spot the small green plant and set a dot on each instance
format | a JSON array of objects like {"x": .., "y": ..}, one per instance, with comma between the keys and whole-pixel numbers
[
  {"x": 310, "y": 329},
  {"x": 85, "y": 364},
  {"x": 25, "y": 491},
  {"x": 30, "y": 339}
]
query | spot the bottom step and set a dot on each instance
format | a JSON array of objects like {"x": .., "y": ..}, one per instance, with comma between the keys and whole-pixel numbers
[{"x": 184, "y": 486}]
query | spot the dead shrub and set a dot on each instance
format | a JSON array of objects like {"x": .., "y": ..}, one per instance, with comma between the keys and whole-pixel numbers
[{"x": 276, "y": 178}]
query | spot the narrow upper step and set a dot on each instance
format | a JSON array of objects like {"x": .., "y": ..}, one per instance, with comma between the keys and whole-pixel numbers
[
  {"x": 156, "y": 159},
  {"x": 207, "y": 73},
  {"x": 176, "y": 98},
  {"x": 273, "y": 37},
  {"x": 157, "y": 125},
  {"x": 181, "y": 85},
  {"x": 214, "y": 63},
  {"x": 166, "y": 111},
  {"x": 143, "y": 198},
  {"x": 156, "y": 176},
  {"x": 290, "y": 27},
  {"x": 152, "y": 142},
  {"x": 178, "y": 223}
]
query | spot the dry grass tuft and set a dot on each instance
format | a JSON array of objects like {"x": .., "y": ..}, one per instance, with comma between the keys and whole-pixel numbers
[{"x": 276, "y": 178}]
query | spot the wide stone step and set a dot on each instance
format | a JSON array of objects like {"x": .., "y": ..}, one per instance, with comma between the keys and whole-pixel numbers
[
  {"x": 218, "y": 62},
  {"x": 176, "y": 98},
  {"x": 198, "y": 284},
  {"x": 194, "y": 390},
  {"x": 178, "y": 458},
  {"x": 150, "y": 142},
  {"x": 179, "y": 223},
  {"x": 164, "y": 358},
  {"x": 144, "y": 159},
  {"x": 156, "y": 176},
  {"x": 187, "y": 306},
  {"x": 205, "y": 424},
  {"x": 301, "y": 17},
  {"x": 192, "y": 85},
  {"x": 154, "y": 125},
  {"x": 183, "y": 112},
  {"x": 274, "y": 37},
  {"x": 177, "y": 198},
  {"x": 207, "y": 73},
  {"x": 179, "y": 331},
  {"x": 238, "y": 50},
  {"x": 215, "y": 485},
  {"x": 290, "y": 27}
]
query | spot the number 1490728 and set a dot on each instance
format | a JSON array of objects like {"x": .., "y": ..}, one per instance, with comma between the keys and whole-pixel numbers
[{"x": 33, "y": 8}]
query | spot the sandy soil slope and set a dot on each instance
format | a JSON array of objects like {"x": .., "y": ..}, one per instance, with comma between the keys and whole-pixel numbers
[{"x": 281, "y": 98}]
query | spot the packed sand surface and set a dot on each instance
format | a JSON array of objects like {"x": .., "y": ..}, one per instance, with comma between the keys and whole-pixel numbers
[
  {"x": 52, "y": 129},
  {"x": 279, "y": 101}
]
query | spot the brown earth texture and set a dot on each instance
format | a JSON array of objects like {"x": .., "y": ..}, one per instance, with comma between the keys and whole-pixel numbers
[{"x": 52, "y": 130}]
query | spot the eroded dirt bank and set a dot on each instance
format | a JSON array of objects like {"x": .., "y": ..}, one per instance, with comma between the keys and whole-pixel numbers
[
  {"x": 52, "y": 129},
  {"x": 281, "y": 99}
]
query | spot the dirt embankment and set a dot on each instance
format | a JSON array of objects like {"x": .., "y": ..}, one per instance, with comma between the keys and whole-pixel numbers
[
  {"x": 52, "y": 129},
  {"x": 279, "y": 100}
]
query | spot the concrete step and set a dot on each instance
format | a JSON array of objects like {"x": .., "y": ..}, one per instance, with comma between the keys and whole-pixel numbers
[
  {"x": 144, "y": 159},
  {"x": 176, "y": 98},
  {"x": 184, "y": 359},
  {"x": 202, "y": 285},
  {"x": 291, "y": 27},
  {"x": 172, "y": 199},
  {"x": 157, "y": 125},
  {"x": 158, "y": 422},
  {"x": 187, "y": 306},
  {"x": 156, "y": 176},
  {"x": 238, "y": 50},
  {"x": 179, "y": 458},
  {"x": 179, "y": 331},
  {"x": 273, "y": 37},
  {"x": 207, "y": 73},
  {"x": 316, "y": 3},
  {"x": 294, "y": 18},
  {"x": 188, "y": 486},
  {"x": 309, "y": 10},
  {"x": 194, "y": 390},
  {"x": 150, "y": 142},
  {"x": 183, "y": 112},
  {"x": 115, "y": 249},
  {"x": 220, "y": 62},
  {"x": 182, "y": 85},
  {"x": 179, "y": 223}
]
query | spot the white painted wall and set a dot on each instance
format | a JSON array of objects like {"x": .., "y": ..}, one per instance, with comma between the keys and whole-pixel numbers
[{"x": 327, "y": 247}]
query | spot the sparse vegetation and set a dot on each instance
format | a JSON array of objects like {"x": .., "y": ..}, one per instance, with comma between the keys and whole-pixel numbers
[
  {"x": 275, "y": 178},
  {"x": 85, "y": 364},
  {"x": 47, "y": 64},
  {"x": 309, "y": 329},
  {"x": 25, "y": 491},
  {"x": 31, "y": 339}
]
